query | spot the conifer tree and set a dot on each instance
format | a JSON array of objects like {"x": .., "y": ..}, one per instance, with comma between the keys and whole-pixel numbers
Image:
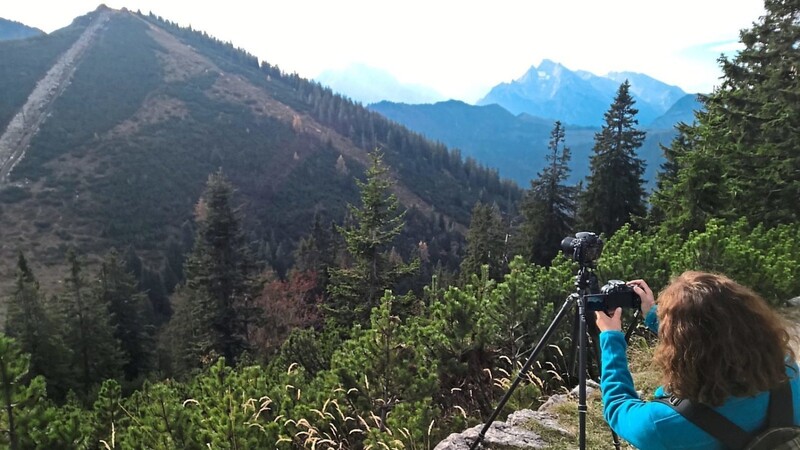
[
  {"x": 88, "y": 330},
  {"x": 614, "y": 193},
  {"x": 17, "y": 394},
  {"x": 394, "y": 379},
  {"x": 214, "y": 304},
  {"x": 131, "y": 315},
  {"x": 681, "y": 210},
  {"x": 25, "y": 309},
  {"x": 486, "y": 243},
  {"x": 33, "y": 328},
  {"x": 356, "y": 287},
  {"x": 743, "y": 159},
  {"x": 548, "y": 207},
  {"x": 315, "y": 253}
]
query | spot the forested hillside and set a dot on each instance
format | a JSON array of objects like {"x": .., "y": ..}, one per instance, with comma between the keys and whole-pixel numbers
[
  {"x": 239, "y": 258},
  {"x": 10, "y": 30},
  {"x": 513, "y": 144},
  {"x": 152, "y": 109}
]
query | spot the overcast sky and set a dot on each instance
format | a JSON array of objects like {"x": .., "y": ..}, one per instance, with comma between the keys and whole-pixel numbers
[{"x": 459, "y": 48}]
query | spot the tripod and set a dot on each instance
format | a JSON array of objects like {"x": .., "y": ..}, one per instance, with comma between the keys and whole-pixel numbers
[{"x": 586, "y": 283}]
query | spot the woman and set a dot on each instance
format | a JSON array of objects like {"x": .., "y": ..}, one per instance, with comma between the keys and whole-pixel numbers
[{"x": 719, "y": 344}]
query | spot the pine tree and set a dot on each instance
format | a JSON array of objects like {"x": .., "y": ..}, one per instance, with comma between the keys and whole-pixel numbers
[
  {"x": 88, "y": 331},
  {"x": 391, "y": 372},
  {"x": 549, "y": 206},
  {"x": 315, "y": 253},
  {"x": 357, "y": 286},
  {"x": 680, "y": 210},
  {"x": 615, "y": 194},
  {"x": 486, "y": 243},
  {"x": 18, "y": 395},
  {"x": 131, "y": 315},
  {"x": 213, "y": 307},
  {"x": 743, "y": 160},
  {"x": 28, "y": 322},
  {"x": 759, "y": 107}
]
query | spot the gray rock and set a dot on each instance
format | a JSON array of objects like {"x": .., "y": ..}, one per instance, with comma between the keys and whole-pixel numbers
[
  {"x": 794, "y": 302},
  {"x": 524, "y": 417},
  {"x": 498, "y": 434},
  {"x": 554, "y": 400},
  {"x": 591, "y": 386},
  {"x": 513, "y": 433}
]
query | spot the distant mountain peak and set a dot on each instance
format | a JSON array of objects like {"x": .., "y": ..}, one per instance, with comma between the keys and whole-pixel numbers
[
  {"x": 553, "y": 91},
  {"x": 547, "y": 70},
  {"x": 548, "y": 65}
]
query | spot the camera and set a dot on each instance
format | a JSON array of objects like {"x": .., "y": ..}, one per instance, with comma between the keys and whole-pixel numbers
[
  {"x": 614, "y": 294},
  {"x": 585, "y": 248}
]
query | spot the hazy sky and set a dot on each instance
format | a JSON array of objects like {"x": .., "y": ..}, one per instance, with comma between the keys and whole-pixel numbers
[{"x": 459, "y": 48}]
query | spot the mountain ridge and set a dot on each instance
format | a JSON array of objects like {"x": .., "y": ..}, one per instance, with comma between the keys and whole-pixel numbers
[
  {"x": 12, "y": 30},
  {"x": 153, "y": 108},
  {"x": 516, "y": 144},
  {"x": 554, "y": 92}
]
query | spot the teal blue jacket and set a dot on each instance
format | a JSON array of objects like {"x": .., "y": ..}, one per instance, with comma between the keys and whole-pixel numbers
[{"x": 654, "y": 425}]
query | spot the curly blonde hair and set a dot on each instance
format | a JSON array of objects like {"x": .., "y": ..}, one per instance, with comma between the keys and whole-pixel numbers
[{"x": 718, "y": 338}]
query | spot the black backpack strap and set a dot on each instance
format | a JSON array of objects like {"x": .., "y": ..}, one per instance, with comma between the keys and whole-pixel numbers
[
  {"x": 781, "y": 411},
  {"x": 710, "y": 421}
]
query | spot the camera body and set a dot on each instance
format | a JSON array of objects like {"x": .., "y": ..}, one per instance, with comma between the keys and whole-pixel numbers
[
  {"x": 585, "y": 248},
  {"x": 614, "y": 294}
]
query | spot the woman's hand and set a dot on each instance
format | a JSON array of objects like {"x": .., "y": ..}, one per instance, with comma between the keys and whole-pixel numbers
[
  {"x": 644, "y": 292},
  {"x": 609, "y": 321}
]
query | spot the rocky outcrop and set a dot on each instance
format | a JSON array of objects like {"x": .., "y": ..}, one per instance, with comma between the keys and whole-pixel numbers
[
  {"x": 517, "y": 431},
  {"x": 509, "y": 434}
]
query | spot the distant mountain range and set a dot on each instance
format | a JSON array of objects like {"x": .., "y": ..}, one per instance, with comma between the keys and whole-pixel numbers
[
  {"x": 550, "y": 91},
  {"x": 510, "y": 127},
  {"x": 514, "y": 144},
  {"x": 10, "y": 30},
  {"x": 554, "y": 92}
]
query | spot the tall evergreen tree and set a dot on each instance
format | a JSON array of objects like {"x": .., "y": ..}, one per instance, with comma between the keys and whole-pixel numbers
[
  {"x": 219, "y": 281},
  {"x": 548, "y": 208},
  {"x": 33, "y": 328},
  {"x": 486, "y": 243},
  {"x": 358, "y": 285},
  {"x": 315, "y": 253},
  {"x": 131, "y": 315},
  {"x": 88, "y": 331},
  {"x": 743, "y": 162},
  {"x": 615, "y": 190},
  {"x": 17, "y": 395},
  {"x": 677, "y": 209}
]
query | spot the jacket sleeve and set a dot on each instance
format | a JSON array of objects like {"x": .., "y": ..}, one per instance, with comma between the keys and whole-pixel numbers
[
  {"x": 625, "y": 412},
  {"x": 651, "y": 319}
]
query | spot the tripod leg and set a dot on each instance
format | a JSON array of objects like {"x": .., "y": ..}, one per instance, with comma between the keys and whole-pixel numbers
[
  {"x": 572, "y": 364},
  {"x": 525, "y": 368}
]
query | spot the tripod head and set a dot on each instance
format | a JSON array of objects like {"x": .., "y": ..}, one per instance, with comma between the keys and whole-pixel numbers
[{"x": 586, "y": 281}]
